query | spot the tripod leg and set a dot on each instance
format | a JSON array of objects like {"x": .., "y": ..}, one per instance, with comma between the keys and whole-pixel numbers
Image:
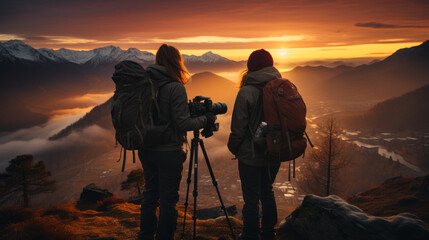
[
  {"x": 188, "y": 181},
  {"x": 195, "y": 192},
  {"x": 215, "y": 185}
]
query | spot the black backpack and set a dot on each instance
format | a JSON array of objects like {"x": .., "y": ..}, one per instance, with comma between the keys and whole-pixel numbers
[{"x": 134, "y": 108}]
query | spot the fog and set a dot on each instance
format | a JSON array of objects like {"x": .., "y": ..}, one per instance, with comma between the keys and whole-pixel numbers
[{"x": 35, "y": 141}]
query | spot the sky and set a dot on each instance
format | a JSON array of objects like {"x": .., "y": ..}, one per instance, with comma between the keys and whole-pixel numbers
[{"x": 291, "y": 30}]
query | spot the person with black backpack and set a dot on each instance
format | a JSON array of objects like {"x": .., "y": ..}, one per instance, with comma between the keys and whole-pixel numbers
[{"x": 163, "y": 162}]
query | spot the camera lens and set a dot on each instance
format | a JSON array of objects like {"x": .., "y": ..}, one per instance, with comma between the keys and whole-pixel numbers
[{"x": 219, "y": 108}]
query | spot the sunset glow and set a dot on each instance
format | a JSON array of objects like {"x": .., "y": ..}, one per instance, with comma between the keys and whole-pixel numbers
[
  {"x": 301, "y": 30},
  {"x": 99, "y": 130},
  {"x": 282, "y": 55}
]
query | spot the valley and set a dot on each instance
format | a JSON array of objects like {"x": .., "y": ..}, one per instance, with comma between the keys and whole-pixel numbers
[{"x": 82, "y": 151}]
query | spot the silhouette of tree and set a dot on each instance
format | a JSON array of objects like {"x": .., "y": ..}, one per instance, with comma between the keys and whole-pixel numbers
[
  {"x": 24, "y": 179},
  {"x": 134, "y": 182},
  {"x": 319, "y": 174}
]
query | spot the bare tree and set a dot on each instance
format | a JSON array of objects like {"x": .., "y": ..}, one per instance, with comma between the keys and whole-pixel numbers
[
  {"x": 25, "y": 179},
  {"x": 134, "y": 182},
  {"x": 319, "y": 172}
]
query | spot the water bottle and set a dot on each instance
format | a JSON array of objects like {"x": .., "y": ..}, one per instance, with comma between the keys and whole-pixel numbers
[{"x": 261, "y": 130}]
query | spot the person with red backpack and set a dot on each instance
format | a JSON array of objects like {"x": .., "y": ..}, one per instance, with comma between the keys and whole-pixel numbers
[
  {"x": 267, "y": 128},
  {"x": 256, "y": 173}
]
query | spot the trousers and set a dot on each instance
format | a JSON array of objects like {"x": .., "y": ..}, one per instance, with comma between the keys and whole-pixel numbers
[
  {"x": 162, "y": 173},
  {"x": 257, "y": 185}
]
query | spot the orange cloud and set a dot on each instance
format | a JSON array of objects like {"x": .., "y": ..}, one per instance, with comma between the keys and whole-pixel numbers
[{"x": 212, "y": 25}]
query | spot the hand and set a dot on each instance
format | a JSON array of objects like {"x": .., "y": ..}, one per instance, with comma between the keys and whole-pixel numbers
[
  {"x": 206, "y": 132},
  {"x": 211, "y": 119},
  {"x": 210, "y": 125}
]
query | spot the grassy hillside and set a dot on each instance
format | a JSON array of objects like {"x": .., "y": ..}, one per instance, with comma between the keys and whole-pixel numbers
[
  {"x": 119, "y": 220},
  {"x": 395, "y": 196},
  {"x": 407, "y": 112}
]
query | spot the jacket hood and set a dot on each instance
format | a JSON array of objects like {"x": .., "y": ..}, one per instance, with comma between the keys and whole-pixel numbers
[
  {"x": 262, "y": 76},
  {"x": 159, "y": 73}
]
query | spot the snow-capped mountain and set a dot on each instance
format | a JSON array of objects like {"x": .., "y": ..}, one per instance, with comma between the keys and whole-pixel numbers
[
  {"x": 79, "y": 57},
  {"x": 16, "y": 49},
  {"x": 116, "y": 54},
  {"x": 98, "y": 56},
  {"x": 208, "y": 57}
]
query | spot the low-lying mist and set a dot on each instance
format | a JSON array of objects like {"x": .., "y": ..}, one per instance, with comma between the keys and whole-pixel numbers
[{"x": 35, "y": 141}]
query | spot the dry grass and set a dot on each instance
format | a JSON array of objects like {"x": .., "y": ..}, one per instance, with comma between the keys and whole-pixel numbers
[
  {"x": 119, "y": 220},
  {"x": 9, "y": 215},
  {"x": 393, "y": 197},
  {"x": 212, "y": 229},
  {"x": 106, "y": 203},
  {"x": 37, "y": 228},
  {"x": 64, "y": 211}
]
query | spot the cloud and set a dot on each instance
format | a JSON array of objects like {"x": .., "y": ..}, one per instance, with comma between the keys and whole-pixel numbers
[
  {"x": 43, "y": 131},
  {"x": 35, "y": 141},
  {"x": 36, "y": 38},
  {"x": 208, "y": 25},
  {"x": 93, "y": 135},
  {"x": 185, "y": 40},
  {"x": 218, "y": 39},
  {"x": 7, "y": 37},
  {"x": 378, "y": 25}
]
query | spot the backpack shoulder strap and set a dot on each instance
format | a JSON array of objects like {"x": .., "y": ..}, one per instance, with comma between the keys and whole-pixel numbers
[
  {"x": 155, "y": 98},
  {"x": 258, "y": 114}
]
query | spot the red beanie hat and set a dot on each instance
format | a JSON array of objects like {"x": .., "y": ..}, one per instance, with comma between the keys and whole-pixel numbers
[{"x": 259, "y": 59}]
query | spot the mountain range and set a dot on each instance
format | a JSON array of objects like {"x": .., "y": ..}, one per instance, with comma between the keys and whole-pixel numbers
[
  {"x": 16, "y": 51},
  {"x": 403, "y": 71},
  {"x": 407, "y": 112},
  {"x": 36, "y": 82}
]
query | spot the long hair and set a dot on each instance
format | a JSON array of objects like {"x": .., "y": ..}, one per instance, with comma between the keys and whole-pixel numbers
[
  {"x": 243, "y": 76},
  {"x": 170, "y": 57}
]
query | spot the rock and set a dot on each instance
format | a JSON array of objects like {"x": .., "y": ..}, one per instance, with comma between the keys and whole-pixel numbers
[
  {"x": 215, "y": 212},
  {"x": 92, "y": 194},
  {"x": 333, "y": 218}
]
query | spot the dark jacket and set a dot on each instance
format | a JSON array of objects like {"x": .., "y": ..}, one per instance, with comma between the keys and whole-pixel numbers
[
  {"x": 247, "y": 115},
  {"x": 174, "y": 110}
]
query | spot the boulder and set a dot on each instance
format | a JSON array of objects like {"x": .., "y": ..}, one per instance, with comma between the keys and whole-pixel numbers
[
  {"x": 215, "y": 212},
  {"x": 92, "y": 194},
  {"x": 333, "y": 218}
]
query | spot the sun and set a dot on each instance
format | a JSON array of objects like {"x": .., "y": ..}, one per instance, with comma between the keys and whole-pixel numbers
[{"x": 282, "y": 53}]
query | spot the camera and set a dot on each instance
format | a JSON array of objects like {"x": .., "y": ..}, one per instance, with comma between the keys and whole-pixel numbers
[
  {"x": 198, "y": 108},
  {"x": 201, "y": 106}
]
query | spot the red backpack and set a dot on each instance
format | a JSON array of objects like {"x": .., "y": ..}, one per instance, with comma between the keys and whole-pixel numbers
[{"x": 284, "y": 112}]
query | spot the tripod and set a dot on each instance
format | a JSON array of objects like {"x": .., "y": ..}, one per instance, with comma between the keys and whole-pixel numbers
[{"x": 193, "y": 162}]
